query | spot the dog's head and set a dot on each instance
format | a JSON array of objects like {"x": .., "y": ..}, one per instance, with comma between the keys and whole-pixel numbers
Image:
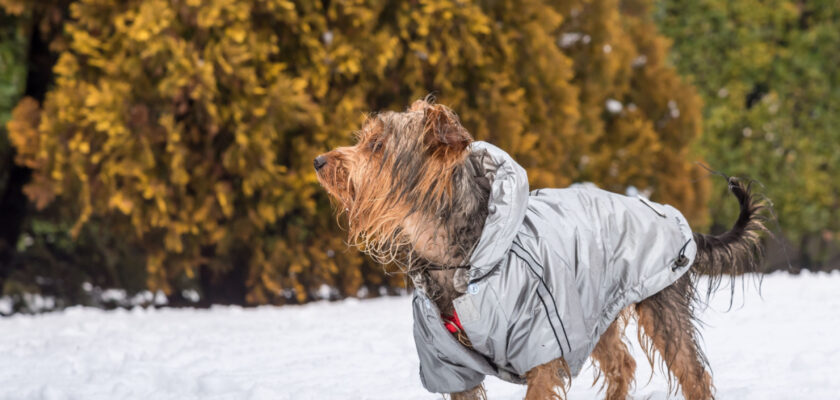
[{"x": 399, "y": 184}]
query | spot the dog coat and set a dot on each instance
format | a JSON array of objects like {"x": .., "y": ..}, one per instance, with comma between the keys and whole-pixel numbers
[{"x": 551, "y": 271}]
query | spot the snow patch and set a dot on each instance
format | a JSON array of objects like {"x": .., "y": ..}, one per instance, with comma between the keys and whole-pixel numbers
[
  {"x": 614, "y": 106},
  {"x": 191, "y": 295},
  {"x": 144, "y": 297},
  {"x": 37, "y": 302},
  {"x": 673, "y": 109},
  {"x": 583, "y": 162},
  {"x": 327, "y": 37},
  {"x": 324, "y": 292},
  {"x": 160, "y": 298},
  {"x": 776, "y": 346},
  {"x": 6, "y": 305},
  {"x": 747, "y": 132},
  {"x": 639, "y": 61},
  {"x": 363, "y": 292},
  {"x": 569, "y": 39},
  {"x": 114, "y": 295}
]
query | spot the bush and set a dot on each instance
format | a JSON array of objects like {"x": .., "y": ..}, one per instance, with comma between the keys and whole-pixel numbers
[
  {"x": 768, "y": 75},
  {"x": 187, "y": 128}
]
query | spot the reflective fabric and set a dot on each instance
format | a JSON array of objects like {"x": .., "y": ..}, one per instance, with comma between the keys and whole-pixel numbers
[{"x": 551, "y": 271}]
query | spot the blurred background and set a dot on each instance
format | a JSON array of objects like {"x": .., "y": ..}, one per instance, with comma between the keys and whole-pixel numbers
[{"x": 158, "y": 152}]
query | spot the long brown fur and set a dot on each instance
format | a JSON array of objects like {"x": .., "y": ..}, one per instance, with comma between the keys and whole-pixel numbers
[
  {"x": 615, "y": 361},
  {"x": 414, "y": 195},
  {"x": 549, "y": 381},
  {"x": 666, "y": 325},
  {"x": 476, "y": 393}
]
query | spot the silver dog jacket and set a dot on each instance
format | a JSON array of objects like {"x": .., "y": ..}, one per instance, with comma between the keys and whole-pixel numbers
[{"x": 551, "y": 271}]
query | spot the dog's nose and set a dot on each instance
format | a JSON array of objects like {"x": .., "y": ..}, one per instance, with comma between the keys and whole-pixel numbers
[{"x": 319, "y": 162}]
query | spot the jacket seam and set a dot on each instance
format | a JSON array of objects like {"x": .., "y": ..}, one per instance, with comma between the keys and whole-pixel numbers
[
  {"x": 545, "y": 306},
  {"x": 545, "y": 285}
]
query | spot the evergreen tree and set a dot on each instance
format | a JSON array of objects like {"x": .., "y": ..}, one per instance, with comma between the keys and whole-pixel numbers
[
  {"x": 767, "y": 71},
  {"x": 188, "y": 127}
]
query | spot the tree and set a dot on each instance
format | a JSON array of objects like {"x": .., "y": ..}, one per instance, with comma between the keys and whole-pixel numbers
[
  {"x": 188, "y": 127},
  {"x": 768, "y": 75},
  {"x": 26, "y": 32},
  {"x": 641, "y": 117}
]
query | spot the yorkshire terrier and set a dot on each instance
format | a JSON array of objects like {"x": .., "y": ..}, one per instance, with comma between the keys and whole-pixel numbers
[{"x": 528, "y": 285}]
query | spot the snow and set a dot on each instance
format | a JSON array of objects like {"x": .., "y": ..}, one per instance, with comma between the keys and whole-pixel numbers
[
  {"x": 5, "y": 305},
  {"x": 569, "y": 39},
  {"x": 674, "y": 109},
  {"x": 614, "y": 106},
  {"x": 747, "y": 132},
  {"x": 639, "y": 61},
  {"x": 327, "y": 37},
  {"x": 782, "y": 345}
]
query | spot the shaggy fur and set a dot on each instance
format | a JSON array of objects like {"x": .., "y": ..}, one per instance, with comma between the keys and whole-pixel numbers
[
  {"x": 614, "y": 360},
  {"x": 476, "y": 393},
  {"x": 414, "y": 195}
]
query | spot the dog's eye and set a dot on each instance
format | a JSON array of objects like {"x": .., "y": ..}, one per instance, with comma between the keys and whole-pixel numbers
[{"x": 375, "y": 145}]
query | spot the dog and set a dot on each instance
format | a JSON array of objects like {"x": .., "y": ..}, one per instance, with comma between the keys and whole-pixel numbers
[{"x": 527, "y": 285}]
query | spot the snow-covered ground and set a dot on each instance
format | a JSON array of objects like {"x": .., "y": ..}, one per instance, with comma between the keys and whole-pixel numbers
[{"x": 782, "y": 346}]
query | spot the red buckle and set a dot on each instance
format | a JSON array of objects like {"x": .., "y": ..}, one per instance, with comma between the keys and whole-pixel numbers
[{"x": 452, "y": 324}]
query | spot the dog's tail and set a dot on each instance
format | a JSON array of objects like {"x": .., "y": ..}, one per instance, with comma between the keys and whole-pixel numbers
[{"x": 739, "y": 250}]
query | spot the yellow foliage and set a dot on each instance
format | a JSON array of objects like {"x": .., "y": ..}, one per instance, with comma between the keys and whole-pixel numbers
[
  {"x": 194, "y": 123},
  {"x": 14, "y": 7}
]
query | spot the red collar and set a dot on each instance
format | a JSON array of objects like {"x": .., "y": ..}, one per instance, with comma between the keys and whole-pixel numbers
[{"x": 452, "y": 324}]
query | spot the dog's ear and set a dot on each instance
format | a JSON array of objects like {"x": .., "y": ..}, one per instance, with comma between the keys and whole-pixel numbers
[{"x": 442, "y": 130}]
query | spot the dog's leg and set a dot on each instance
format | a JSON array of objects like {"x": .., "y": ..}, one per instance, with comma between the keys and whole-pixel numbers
[
  {"x": 548, "y": 381},
  {"x": 614, "y": 360},
  {"x": 665, "y": 324},
  {"x": 476, "y": 393}
]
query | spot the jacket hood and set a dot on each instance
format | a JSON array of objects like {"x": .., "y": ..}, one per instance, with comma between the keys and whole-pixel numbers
[{"x": 506, "y": 208}]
